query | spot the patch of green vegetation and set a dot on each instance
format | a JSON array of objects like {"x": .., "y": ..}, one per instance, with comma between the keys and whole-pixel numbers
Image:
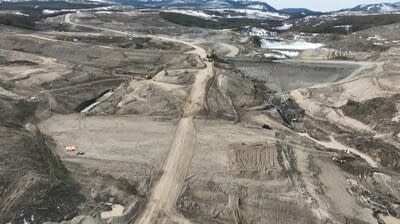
[
  {"x": 354, "y": 23},
  {"x": 24, "y": 22},
  {"x": 20, "y": 21},
  {"x": 370, "y": 110},
  {"x": 24, "y": 109},
  {"x": 36, "y": 7},
  {"x": 193, "y": 21},
  {"x": 6, "y": 85},
  {"x": 256, "y": 41},
  {"x": 34, "y": 11}
]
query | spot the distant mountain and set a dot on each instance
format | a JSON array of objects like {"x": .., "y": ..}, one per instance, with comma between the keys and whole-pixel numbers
[
  {"x": 201, "y": 4},
  {"x": 375, "y": 8},
  {"x": 299, "y": 12}
]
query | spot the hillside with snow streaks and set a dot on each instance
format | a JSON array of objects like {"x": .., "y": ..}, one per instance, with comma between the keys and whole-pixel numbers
[{"x": 375, "y": 8}]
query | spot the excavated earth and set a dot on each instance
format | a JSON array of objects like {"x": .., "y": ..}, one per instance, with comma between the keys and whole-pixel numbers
[{"x": 163, "y": 132}]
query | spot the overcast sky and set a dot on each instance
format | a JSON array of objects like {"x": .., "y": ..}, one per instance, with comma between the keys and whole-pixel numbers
[{"x": 322, "y": 5}]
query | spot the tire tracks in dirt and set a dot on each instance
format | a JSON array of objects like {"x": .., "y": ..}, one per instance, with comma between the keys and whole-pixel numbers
[{"x": 161, "y": 204}]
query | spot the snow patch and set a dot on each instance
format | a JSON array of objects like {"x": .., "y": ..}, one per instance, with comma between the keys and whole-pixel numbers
[
  {"x": 196, "y": 13},
  {"x": 289, "y": 45},
  {"x": 251, "y": 14},
  {"x": 290, "y": 54},
  {"x": 376, "y": 37},
  {"x": 347, "y": 27},
  {"x": 274, "y": 56},
  {"x": 285, "y": 26},
  {"x": 105, "y": 8},
  {"x": 103, "y": 12},
  {"x": 117, "y": 211},
  {"x": 279, "y": 54},
  {"x": 387, "y": 8},
  {"x": 259, "y": 32},
  {"x": 20, "y": 13},
  {"x": 256, "y": 6}
]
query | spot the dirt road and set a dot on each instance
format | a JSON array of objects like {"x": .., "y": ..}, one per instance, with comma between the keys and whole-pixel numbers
[
  {"x": 38, "y": 37},
  {"x": 197, "y": 99},
  {"x": 233, "y": 50},
  {"x": 333, "y": 144},
  {"x": 161, "y": 204},
  {"x": 67, "y": 19},
  {"x": 197, "y": 49},
  {"x": 167, "y": 190}
]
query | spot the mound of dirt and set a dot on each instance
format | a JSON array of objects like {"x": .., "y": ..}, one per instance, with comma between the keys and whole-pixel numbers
[
  {"x": 174, "y": 76},
  {"x": 230, "y": 93},
  {"x": 146, "y": 97}
]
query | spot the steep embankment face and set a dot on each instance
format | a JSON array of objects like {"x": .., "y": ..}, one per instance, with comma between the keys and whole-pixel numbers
[
  {"x": 34, "y": 185},
  {"x": 290, "y": 75}
]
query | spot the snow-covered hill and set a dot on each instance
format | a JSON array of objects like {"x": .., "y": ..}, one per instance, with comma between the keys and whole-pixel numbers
[
  {"x": 261, "y": 5},
  {"x": 375, "y": 8},
  {"x": 202, "y": 4},
  {"x": 231, "y": 13}
]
